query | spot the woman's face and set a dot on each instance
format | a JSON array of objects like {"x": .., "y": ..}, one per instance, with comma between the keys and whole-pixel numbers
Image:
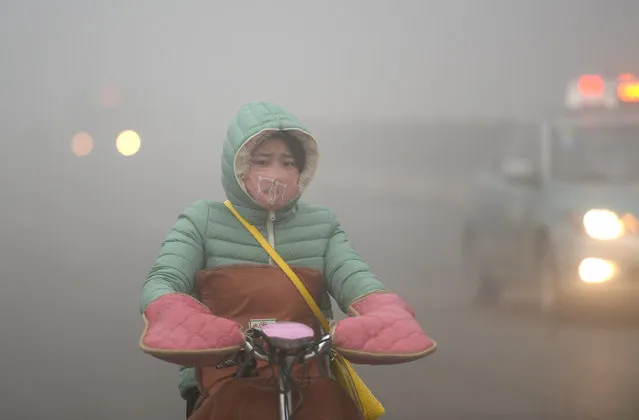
[
  {"x": 273, "y": 176},
  {"x": 275, "y": 154}
]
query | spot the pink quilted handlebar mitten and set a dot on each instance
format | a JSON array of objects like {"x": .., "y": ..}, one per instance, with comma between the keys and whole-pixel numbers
[
  {"x": 381, "y": 329},
  {"x": 180, "y": 329}
]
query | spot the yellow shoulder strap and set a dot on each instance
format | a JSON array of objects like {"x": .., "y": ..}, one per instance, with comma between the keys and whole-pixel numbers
[{"x": 282, "y": 264}]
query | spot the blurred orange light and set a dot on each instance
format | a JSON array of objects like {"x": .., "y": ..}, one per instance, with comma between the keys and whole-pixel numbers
[
  {"x": 628, "y": 91},
  {"x": 128, "y": 143},
  {"x": 631, "y": 223},
  {"x": 625, "y": 77},
  {"x": 591, "y": 86},
  {"x": 110, "y": 96},
  {"x": 81, "y": 144}
]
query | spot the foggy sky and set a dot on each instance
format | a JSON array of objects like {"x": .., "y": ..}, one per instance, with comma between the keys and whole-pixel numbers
[{"x": 327, "y": 60}]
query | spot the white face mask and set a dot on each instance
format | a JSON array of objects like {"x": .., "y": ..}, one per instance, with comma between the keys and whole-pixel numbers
[{"x": 271, "y": 188}]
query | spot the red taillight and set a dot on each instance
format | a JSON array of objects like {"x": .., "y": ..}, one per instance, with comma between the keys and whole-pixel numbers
[{"x": 591, "y": 86}]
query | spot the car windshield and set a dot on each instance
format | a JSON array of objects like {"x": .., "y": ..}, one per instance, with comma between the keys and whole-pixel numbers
[{"x": 601, "y": 153}]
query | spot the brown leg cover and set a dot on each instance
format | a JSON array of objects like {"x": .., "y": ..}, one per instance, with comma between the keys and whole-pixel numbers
[{"x": 257, "y": 399}]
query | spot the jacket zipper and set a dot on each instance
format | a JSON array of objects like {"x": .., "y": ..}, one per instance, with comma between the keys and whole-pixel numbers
[{"x": 270, "y": 232}]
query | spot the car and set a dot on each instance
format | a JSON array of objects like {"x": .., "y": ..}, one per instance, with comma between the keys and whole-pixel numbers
[{"x": 556, "y": 217}]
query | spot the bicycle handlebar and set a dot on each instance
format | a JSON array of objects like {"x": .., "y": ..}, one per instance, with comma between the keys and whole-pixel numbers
[
  {"x": 283, "y": 344},
  {"x": 314, "y": 350},
  {"x": 288, "y": 338}
]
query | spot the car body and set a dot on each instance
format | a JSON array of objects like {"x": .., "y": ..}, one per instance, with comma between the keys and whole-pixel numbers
[{"x": 557, "y": 216}]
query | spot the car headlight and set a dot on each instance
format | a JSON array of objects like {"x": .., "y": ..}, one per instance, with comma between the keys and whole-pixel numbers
[
  {"x": 596, "y": 270},
  {"x": 603, "y": 224}
]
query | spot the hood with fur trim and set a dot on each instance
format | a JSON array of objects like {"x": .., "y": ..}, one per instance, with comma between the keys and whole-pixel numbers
[{"x": 253, "y": 123}]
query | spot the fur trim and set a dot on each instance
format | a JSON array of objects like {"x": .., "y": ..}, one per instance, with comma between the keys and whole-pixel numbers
[{"x": 243, "y": 156}]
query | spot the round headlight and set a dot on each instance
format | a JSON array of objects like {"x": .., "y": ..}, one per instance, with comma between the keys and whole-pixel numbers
[
  {"x": 596, "y": 270},
  {"x": 603, "y": 224}
]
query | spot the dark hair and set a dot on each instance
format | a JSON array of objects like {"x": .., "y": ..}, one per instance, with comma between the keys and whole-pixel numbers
[{"x": 295, "y": 145}]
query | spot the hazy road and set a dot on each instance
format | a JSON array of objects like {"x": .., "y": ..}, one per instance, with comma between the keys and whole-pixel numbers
[
  {"x": 500, "y": 364},
  {"x": 71, "y": 319}
]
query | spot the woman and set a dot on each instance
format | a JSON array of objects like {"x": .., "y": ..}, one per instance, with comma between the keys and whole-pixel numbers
[{"x": 212, "y": 280}]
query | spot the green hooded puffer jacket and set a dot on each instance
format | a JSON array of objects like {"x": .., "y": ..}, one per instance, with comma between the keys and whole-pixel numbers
[{"x": 207, "y": 235}]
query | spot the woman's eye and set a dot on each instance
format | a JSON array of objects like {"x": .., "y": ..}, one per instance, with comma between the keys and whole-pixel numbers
[
  {"x": 289, "y": 163},
  {"x": 260, "y": 162}
]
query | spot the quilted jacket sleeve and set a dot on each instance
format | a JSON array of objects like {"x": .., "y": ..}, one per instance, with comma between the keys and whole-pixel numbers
[
  {"x": 181, "y": 256},
  {"x": 347, "y": 275}
]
